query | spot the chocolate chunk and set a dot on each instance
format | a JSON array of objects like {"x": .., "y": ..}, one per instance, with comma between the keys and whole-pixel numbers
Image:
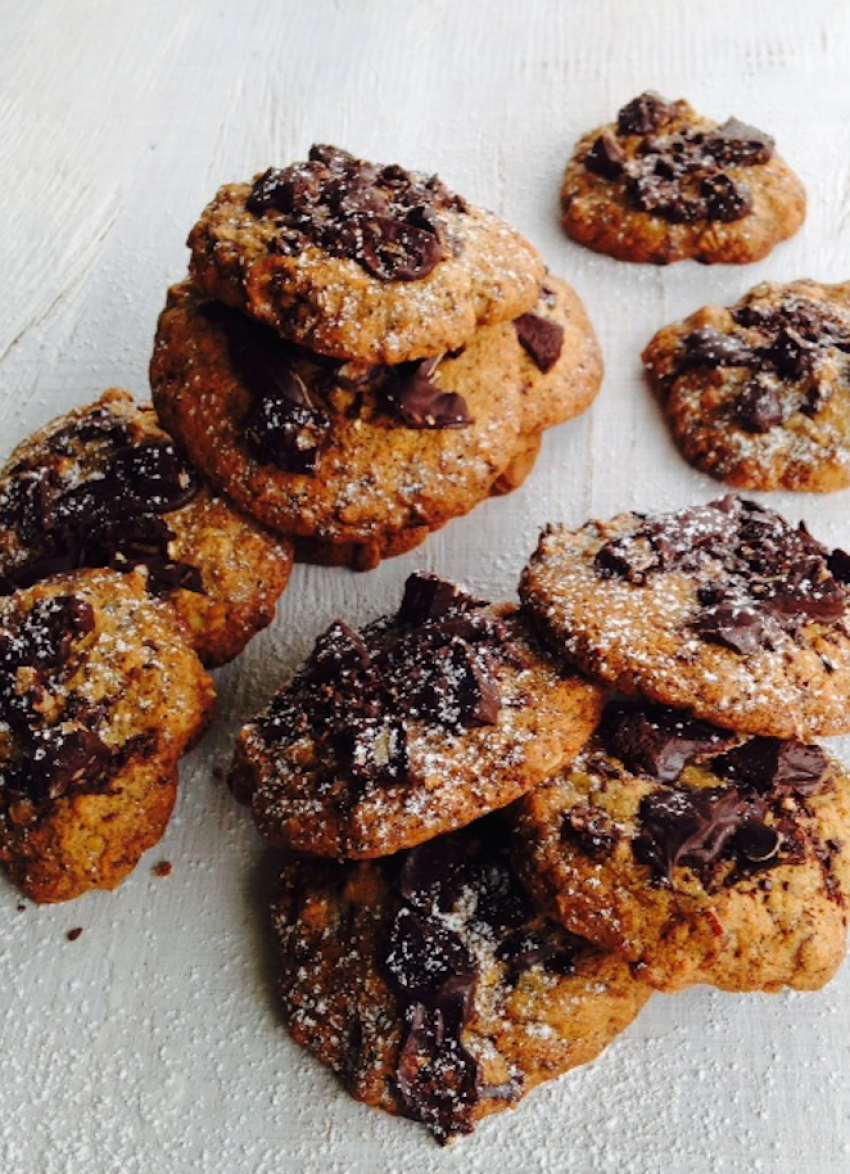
[
  {"x": 737, "y": 144},
  {"x": 60, "y": 759},
  {"x": 606, "y": 157},
  {"x": 541, "y": 338},
  {"x": 395, "y": 250},
  {"x": 667, "y": 542},
  {"x": 423, "y": 955},
  {"x": 710, "y": 347},
  {"x": 432, "y": 873},
  {"x": 792, "y": 355},
  {"x": 774, "y": 765},
  {"x": 524, "y": 950},
  {"x": 733, "y": 625},
  {"x": 454, "y": 690},
  {"x": 428, "y": 597},
  {"x": 659, "y": 742},
  {"x": 438, "y": 1078},
  {"x": 419, "y": 403},
  {"x": 384, "y": 218},
  {"x": 726, "y": 199},
  {"x": 690, "y": 828},
  {"x": 339, "y": 655},
  {"x": 759, "y": 407},
  {"x": 592, "y": 830},
  {"x": 375, "y": 750},
  {"x": 644, "y": 115},
  {"x": 285, "y": 434}
]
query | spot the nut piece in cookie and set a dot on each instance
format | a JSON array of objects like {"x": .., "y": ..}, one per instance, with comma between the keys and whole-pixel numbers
[
  {"x": 722, "y": 609},
  {"x": 361, "y": 261},
  {"x": 100, "y": 696},
  {"x": 758, "y": 395},
  {"x": 415, "y": 725},
  {"x": 357, "y": 455},
  {"x": 703, "y": 855},
  {"x": 104, "y": 486},
  {"x": 664, "y": 184},
  {"x": 431, "y": 986}
]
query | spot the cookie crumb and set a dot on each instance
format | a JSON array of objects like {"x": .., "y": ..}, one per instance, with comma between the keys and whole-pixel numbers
[{"x": 163, "y": 868}]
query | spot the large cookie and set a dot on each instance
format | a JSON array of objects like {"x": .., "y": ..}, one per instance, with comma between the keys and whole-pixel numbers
[
  {"x": 360, "y": 261},
  {"x": 105, "y": 486},
  {"x": 415, "y": 725},
  {"x": 758, "y": 395},
  {"x": 723, "y": 609},
  {"x": 664, "y": 184},
  {"x": 339, "y": 453},
  {"x": 431, "y": 986},
  {"x": 100, "y": 696},
  {"x": 699, "y": 854}
]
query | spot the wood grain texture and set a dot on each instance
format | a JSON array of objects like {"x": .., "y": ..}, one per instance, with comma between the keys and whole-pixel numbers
[{"x": 153, "y": 1041}]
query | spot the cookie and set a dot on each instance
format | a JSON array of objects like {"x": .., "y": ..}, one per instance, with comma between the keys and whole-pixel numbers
[
  {"x": 361, "y": 261},
  {"x": 338, "y": 453},
  {"x": 366, "y": 556},
  {"x": 103, "y": 485},
  {"x": 664, "y": 184},
  {"x": 415, "y": 725},
  {"x": 701, "y": 855},
  {"x": 723, "y": 609},
  {"x": 758, "y": 395},
  {"x": 433, "y": 989},
  {"x": 100, "y": 696}
]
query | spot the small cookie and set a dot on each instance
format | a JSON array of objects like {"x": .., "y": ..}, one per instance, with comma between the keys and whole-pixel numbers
[
  {"x": 360, "y": 261},
  {"x": 702, "y": 855},
  {"x": 723, "y": 609},
  {"x": 105, "y": 486},
  {"x": 339, "y": 453},
  {"x": 664, "y": 184},
  {"x": 758, "y": 395},
  {"x": 433, "y": 989},
  {"x": 100, "y": 696},
  {"x": 415, "y": 725}
]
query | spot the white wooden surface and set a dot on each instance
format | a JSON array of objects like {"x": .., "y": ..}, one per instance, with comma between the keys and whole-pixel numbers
[{"x": 153, "y": 1042}]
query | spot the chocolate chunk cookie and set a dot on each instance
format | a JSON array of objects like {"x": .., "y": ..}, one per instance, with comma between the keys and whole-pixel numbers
[
  {"x": 431, "y": 986},
  {"x": 104, "y": 486},
  {"x": 703, "y": 855},
  {"x": 361, "y": 261},
  {"x": 415, "y": 725},
  {"x": 758, "y": 395},
  {"x": 723, "y": 609},
  {"x": 664, "y": 184},
  {"x": 340, "y": 453},
  {"x": 100, "y": 696}
]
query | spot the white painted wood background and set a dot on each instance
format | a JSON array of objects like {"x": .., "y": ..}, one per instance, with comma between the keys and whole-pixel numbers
[{"x": 153, "y": 1042}]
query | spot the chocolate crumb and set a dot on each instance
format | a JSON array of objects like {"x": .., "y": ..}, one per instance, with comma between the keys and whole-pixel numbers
[{"x": 74, "y": 933}]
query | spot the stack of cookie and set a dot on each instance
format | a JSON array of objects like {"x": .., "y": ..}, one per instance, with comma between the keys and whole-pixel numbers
[
  {"x": 627, "y": 759},
  {"x": 412, "y": 961},
  {"x": 359, "y": 355},
  {"x": 122, "y": 578},
  {"x": 702, "y": 833}
]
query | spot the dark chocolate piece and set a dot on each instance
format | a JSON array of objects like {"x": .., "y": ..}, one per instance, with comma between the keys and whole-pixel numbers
[{"x": 541, "y": 338}]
